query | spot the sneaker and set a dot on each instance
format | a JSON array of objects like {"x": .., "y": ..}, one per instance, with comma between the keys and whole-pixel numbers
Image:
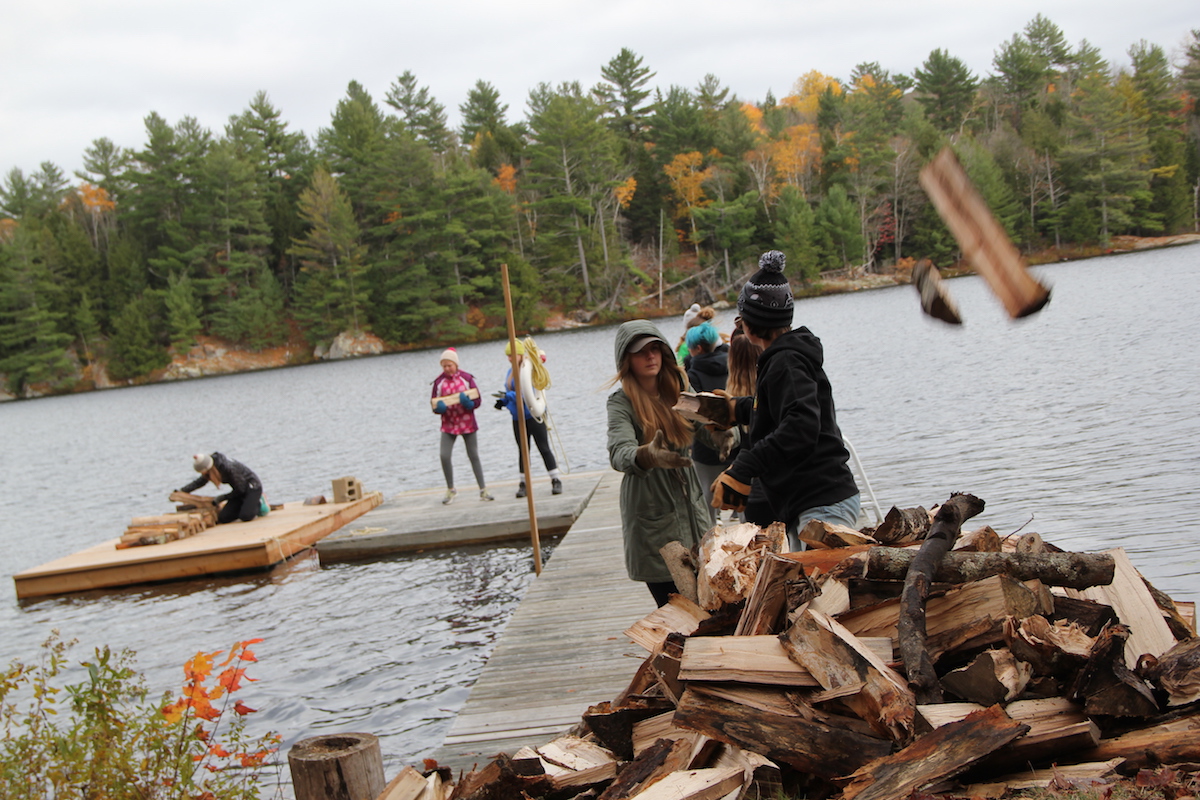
[
  {"x": 484, "y": 494},
  {"x": 449, "y": 498},
  {"x": 521, "y": 490},
  {"x": 555, "y": 486}
]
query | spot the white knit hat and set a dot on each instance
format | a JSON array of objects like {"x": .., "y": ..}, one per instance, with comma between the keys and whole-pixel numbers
[
  {"x": 691, "y": 316},
  {"x": 202, "y": 462},
  {"x": 449, "y": 354}
]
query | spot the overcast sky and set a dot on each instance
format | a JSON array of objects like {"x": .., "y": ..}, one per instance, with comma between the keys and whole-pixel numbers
[{"x": 74, "y": 71}]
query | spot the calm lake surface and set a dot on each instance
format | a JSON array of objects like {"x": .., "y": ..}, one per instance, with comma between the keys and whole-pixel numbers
[{"x": 1079, "y": 423}]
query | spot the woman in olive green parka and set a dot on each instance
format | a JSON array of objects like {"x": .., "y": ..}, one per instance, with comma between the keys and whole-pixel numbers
[{"x": 661, "y": 498}]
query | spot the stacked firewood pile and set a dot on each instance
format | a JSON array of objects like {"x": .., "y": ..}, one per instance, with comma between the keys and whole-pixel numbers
[
  {"x": 883, "y": 662},
  {"x": 194, "y": 514}
]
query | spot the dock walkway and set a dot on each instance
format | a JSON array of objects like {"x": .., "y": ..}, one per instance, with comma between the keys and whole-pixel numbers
[{"x": 563, "y": 649}]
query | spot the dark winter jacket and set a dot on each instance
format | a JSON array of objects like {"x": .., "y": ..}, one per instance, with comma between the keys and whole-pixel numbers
[
  {"x": 236, "y": 475},
  {"x": 706, "y": 372},
  {"x": 795, "y": 449}
]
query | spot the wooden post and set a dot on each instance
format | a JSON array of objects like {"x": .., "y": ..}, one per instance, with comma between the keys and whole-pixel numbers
[
  {"x": 523, "y": 437},
  {"x": 339, "y": 766},
  {"x": 983, "y": 241}
]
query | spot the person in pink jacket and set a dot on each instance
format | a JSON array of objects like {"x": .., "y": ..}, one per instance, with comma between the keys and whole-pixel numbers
[{"x": 458, "y": 419}]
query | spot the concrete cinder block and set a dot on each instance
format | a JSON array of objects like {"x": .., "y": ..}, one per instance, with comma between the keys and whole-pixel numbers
[{"x": 346, "y": 490}]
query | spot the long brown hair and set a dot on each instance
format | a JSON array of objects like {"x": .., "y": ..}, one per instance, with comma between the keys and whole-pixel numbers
[
  {"x": 654, "y": 412},
  {"x": 743, "y": 365}
]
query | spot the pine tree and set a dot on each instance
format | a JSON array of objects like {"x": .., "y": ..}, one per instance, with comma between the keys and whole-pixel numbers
[
  {"x": 132, "y": 350},
  {"x": 946, "y": 90},
  {"x": 33, "y": 345},
  {"x": 183, "y": 312},
  {"x": 841, "y": 242},
  {"x": 796, "y": 233}
]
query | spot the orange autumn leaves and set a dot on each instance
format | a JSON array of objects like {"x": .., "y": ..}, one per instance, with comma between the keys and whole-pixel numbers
[{"x": 199, "y": 699}]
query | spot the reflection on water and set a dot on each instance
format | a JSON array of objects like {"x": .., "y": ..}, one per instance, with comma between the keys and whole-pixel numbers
[{"x": 1077, "y": 423}]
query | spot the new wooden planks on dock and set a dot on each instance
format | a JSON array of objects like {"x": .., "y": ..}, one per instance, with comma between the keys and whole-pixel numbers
[
  {"x": 235, "y": 547},
  {"x": 563, "y": 649}
]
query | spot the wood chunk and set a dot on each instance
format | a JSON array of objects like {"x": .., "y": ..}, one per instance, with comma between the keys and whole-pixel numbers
[
  {"x": 407, "y": 785},
  {"x": 940, "y": 754},
  {"x": 613, "y": 724},
  {"x": 837, "y": 660},
  {"x": 571, "y": 762},
  {"x": 903, "y": 526},
  {"x": 705, "y": 407},
  {"x": 641, "y": 772},
  {"x": 1071, "y": 774},
  {"x": 1090, "y": 616},
  {"x": 499, "y": 781},
  {"x": 662, "y": 726},
  {"x": 1057, "y": 650},
  {"x": 679, "y": 615},
  {"x": 729, "y": 560},
  {"x": 746, "y": 659},
  {"x": 682, "y": 566},
  {"x": 1135, "y": 607},
  {"x": 935, "y": 296},
  {"x": 695, "y": 784},
  {"x": 766, "y": 606},
  {"x": 1106, "y": 685},
  {"x": 1177, "y": 672},
  {"x": 1174, "y": 742},
  {"x": 981, "y": 540},
  {"x": 763, "y": 779},
  {"x": 828, "y": 535},
  {"x": 995, "y": 676},
  {"x": 806, "y": 740}
]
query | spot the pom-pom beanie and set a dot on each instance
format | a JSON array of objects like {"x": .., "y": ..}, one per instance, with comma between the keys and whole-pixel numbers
[{"x": 766, "y": 300}]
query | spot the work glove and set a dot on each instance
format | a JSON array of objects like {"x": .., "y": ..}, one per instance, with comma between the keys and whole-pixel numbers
[
  {"x": 723, "y": 441},
  {"x": 657, "y": 453},
  {"x": 729, "y": 493},
  {"x": 440, "y": 408},
  {"x": 723, "y": 417},
  {"x": 465, "y": 401},
  {"x": 500, "y": 404}
]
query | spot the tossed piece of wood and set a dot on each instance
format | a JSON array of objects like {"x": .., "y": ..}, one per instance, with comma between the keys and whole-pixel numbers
[
  {"x": 1177, "y": 672},
  {"x": 407, "y": 785},
  {"x": 805, "y": 739},
  {"x": 1106, "y": 685},
  {"x": 1135, "y": 607},
  {"x": 705, "y": 407},
  {"x": 935, "y": 297},
  {"x": 910, "y": 629},
  {"x": 821, "y": 534},
  {"x": 682, "y": 566},
  {"x": 767, "y": 605},
  {"x": 679, "y": 615},
  {"x": 837, "y": 659},
  {"x": 940, "y": 754},
  {"x": 983, "y": 241},
  {"x": 995, "y": 676},
  {"x": 1074, "y": 570}
]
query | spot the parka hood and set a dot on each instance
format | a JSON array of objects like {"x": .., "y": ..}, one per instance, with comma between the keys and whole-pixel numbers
[{"x": 628, "y": 331}]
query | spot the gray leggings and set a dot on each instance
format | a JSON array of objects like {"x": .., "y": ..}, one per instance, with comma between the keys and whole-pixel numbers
[{"x": 472, "y": 453}]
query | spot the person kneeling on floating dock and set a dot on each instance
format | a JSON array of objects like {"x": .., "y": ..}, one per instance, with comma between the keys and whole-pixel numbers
[{"x": 243, "y": 501}]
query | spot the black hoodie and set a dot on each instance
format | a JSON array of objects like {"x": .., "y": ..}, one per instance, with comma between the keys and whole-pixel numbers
[{"x": 796, "y": 451}]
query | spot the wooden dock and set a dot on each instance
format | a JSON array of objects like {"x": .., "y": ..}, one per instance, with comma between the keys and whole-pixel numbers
[
  {"x": 235, "y": 547},
  {"x": 563, "y": 649},
  {"x": 417, "y": 520}
]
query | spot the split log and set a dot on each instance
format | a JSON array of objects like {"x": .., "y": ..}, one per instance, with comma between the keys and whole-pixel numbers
[
  {"x": 940, "y": 754},
  {"x": 981, "y": 540},
  {"x": 679, "y": 615},
  {"x": 729, "y": 559},
  {"x": 763, "y": 778},
  {"x": 650, "y": 766},
  {"x": 662, "y": 726},
  {"x": 665, "y": 665},
  {"x": 824, "y": 560},
  {"x": 1062, "y": 777},
  {"x": 995, "y": 676},
  {"x": 1106, "y": 685},
  {"x": 1174, "y": 742},
  {"x": 837, "y": 660},
  {"x": 1074, "y": 570},
  {"x": 613, "y": 723},
  {"x": 407, "y": 785},
  {"x": 947, "y": 524},
  {"x": 499, "y": 780},
  {"x": 768, "y": 603},
  {"x": 572, "y": 763},
  {"x": 1057, "y": 650},
  {"x": 903, "y": 526},
  {"x": 1090, "y": 616},
  {"x": 681, "y": 563},
  {"x": 1177, "y": 672},
  {"x": 753, "y": 659},
  {"x": 827, "y": 535},
  {"x": 695, "y": 784},
  {"x": 935, "y": 297},
  {"x": 811, "y": 742},
  {"x": 1135, "y": 607}
]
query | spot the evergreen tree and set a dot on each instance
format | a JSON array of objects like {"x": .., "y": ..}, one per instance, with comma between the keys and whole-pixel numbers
[
  {"x": 183, "y": 312},
  {"x": 729, "y": 226},
  {"x": 423, "y": 115},
  {"x": 946, "y": 90},
  {"x": 1170, "y": 204},
  {"x": 841, "y": 242},
  {"x": 331, "y": 295},
  {"x": 493, "y": 141},
  {"x": 796, "y": 233},
  {"x": 133, "y": 350},
  {"x": 352, "y": 142},
  {"x": 623, "y": 92},
  {"x": 33, "y": 344},
  {"x": 87, "y": 328}
]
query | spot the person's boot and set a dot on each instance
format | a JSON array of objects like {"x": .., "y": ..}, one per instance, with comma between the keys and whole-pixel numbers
[
  {"x": 555, "y": 486},
  {"x": 521, "y": 490}
]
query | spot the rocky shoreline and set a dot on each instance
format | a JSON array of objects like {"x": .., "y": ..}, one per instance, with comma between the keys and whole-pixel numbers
[{"x": 211, "y": 356}]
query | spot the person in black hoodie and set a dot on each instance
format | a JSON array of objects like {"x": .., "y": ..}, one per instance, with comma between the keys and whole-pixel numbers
[
  {"x": 243, "y": 500},
  {"x": 707, "y": 371},
  {"x": 795, "y": 451}
]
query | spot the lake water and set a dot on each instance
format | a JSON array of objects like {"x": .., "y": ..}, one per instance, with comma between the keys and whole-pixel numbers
[{"x": 1078, "y": 423}]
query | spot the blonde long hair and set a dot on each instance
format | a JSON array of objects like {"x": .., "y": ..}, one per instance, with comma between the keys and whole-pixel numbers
[{"x": 654, "y": 412}]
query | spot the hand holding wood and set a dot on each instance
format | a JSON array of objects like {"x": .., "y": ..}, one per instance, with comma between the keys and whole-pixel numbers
[{"x": 657, "y": 453}]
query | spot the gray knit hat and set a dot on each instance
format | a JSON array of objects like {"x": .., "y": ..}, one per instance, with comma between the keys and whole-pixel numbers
[
  {"x": 202, "y": 462},
  {"x": 766, "y": 299}
]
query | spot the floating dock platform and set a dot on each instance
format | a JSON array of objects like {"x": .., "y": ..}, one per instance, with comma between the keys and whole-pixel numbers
[{"x": 234, "y": 547}]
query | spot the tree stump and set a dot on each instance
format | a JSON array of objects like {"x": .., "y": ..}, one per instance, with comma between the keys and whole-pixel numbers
[{"x": 339, "y": 766}]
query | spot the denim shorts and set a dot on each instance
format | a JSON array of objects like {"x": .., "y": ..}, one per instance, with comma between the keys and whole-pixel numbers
[{"x": 844, "y": 513}]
